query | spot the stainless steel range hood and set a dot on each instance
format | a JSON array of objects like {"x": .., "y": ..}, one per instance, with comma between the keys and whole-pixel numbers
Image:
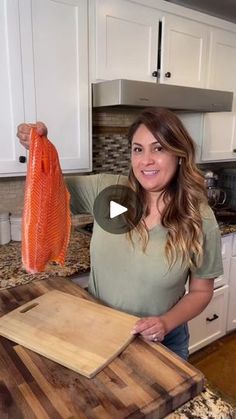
[{"x": 130, "y": 93}]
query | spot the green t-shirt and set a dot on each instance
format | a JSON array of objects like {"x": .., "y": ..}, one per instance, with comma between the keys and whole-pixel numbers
[{"x": 122, "y": 275}]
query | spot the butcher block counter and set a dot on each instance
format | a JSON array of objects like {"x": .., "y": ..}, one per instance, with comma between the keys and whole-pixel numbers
[
  {"x": 131, "y": 386},
  {"x": 33, "y": 387}
]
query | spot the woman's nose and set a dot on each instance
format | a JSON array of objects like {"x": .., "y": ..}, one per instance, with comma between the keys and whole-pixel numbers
[{"x": 148, "y": 158}]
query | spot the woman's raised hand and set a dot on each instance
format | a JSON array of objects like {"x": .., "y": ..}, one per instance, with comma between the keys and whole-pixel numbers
[{"x": 23, "y": 132}]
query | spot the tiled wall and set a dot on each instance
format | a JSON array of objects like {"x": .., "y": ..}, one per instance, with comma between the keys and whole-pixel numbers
[
  {"x": 110, "y": 154},
  {"x": 11, "y": 195},
  {"x": 111, "y": 151}
]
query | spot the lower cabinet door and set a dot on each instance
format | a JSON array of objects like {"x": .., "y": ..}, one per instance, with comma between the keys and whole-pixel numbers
[{"x": 211, "y": 323}]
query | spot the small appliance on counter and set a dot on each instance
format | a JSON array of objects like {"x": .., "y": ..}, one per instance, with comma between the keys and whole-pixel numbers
[
  {"x": 218, "y": 199},
  {"x": 216, "y": 196}
]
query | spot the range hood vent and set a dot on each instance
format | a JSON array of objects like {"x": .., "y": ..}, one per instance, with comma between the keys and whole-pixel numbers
[{"x": 132, "y": 93}]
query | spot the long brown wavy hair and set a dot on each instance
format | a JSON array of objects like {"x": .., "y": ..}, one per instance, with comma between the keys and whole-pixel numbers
[{"x": 184, "y": 194}]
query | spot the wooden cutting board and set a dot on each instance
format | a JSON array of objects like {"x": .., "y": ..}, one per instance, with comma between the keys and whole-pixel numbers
[{"x": 79, "y": 334}]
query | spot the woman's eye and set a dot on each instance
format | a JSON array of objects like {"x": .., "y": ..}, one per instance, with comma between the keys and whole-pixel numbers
[
  {"x": 158, "y": 148},
  {"x": 137, "y": 150}
]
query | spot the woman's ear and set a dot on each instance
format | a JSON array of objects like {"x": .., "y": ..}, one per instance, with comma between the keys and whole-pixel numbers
[{"x": 180, "y": 160}]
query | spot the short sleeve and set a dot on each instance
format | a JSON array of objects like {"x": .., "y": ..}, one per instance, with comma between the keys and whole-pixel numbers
[
  {"x": 212, "y": 265},
  {"x": 84, "y": 189}
]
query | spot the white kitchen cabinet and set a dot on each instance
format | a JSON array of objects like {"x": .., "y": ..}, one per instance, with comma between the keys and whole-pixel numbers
[
  {"x": 126, "y": 40},
  {"x": 231, "y": 321},
  {"x": 193, "y": 122},
  {"x": 53, "y": 86},
  {"x": 226, "y": 249},
  {"x": 219, "y": 134},
  {"x": 11, "y": 88},
  {"x": 183, "y": 52},
  {"x": 211, "y": 323}
]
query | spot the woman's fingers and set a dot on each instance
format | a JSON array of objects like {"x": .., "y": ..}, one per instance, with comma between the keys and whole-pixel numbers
[
  {"x": 23, "y": 132},
  {"x": 151, "y": 328},
  {"x": 41, "y": 128}
]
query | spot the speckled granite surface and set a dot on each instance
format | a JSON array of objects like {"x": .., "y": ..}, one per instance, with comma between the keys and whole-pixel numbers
[
  {"x": 13, "y": 274},
  {"x": 227, "y": 228},
  {"x": 77, "y": 260},
  {"x": 206, "y": 405}
]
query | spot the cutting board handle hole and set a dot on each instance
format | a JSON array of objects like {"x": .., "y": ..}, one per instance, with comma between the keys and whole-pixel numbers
[{"x": 24, "y": 310}]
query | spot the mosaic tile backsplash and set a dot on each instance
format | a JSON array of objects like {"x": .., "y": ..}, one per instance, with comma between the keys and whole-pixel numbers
[{"x": 111, "y": 152}]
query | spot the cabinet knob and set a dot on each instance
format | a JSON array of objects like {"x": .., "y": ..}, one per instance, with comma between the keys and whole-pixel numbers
[
  {"x": 214, "y": 317},
  {"x": 155, "y": 74},
  {"x": 168, "y": 74},
  {"x": 234, "y": 150},
  {"x": 22, "y": 159}
]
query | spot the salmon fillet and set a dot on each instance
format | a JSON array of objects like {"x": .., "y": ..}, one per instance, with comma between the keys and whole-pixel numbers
[{"x": 46, "y": 221}]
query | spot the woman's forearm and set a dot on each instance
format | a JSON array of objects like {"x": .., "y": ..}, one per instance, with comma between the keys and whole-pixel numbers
[{"x": 188, "y": 307}]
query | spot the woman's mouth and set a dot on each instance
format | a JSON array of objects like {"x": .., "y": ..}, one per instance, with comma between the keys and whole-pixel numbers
[{"x": 150, "y": 172}]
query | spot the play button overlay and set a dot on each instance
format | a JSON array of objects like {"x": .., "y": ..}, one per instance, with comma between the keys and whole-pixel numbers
[{"x": 117, "y": 209}]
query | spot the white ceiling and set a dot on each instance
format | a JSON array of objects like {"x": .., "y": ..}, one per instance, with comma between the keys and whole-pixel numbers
[{"x": 224, "y": 9}]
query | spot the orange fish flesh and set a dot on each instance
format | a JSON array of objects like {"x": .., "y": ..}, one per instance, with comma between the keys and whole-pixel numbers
[{"x": 46, "y": 221}]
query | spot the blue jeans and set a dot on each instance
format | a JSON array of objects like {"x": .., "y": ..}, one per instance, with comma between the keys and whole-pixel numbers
[{"x": 178, "y": 341}]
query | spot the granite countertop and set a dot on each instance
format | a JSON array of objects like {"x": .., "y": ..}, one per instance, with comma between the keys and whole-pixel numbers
[
  {"x": 77, "y": 261},
  {"x": 227, "y": 228}
]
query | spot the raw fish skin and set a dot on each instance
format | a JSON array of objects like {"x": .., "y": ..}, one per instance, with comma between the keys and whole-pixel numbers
[{"x": 46, "y": 221}]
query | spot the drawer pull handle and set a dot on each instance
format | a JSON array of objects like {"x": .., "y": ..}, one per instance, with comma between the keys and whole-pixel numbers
[
  {"x": 22, "y": 159},
  {"x": 210, "y": 319}
]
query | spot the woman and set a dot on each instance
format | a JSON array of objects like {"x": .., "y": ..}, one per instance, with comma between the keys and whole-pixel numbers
[{"x": 144, "y": 272}]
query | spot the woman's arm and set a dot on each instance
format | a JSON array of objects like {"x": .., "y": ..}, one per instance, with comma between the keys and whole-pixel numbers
[
  {"x": 199, "y": 295},
  {"x": 192, "y": 304}
]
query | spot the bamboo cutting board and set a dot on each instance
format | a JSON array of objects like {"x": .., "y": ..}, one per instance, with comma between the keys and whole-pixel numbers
[{"x": 79, "y": 334}]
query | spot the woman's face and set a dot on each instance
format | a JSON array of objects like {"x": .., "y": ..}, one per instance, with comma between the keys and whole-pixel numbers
[{"x": 152, "y": 165}]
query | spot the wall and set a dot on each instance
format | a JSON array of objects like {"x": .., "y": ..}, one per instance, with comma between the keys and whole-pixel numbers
[
  {"x": 11, "y": 195},
  {"x": 110, "y": 154}
]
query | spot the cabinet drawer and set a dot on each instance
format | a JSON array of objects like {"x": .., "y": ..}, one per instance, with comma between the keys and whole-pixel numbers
[
  {"x": 211, "y": 323},
  {"x": 234, "y": 245},
  {"x": 226, "y": 245}
]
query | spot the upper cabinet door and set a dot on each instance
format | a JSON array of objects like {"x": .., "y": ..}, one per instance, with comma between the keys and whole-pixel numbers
[
  {"x": 219, "y": 137},
  {"x": 126, "y": 41},
  {"x": 11, "y": 88},
  {"x": 183, "y": 52},
  {"x": 54, "y": 38},
  {"x": 222, "y": 60}
]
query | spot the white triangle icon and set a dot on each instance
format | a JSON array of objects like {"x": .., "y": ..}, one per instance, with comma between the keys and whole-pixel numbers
[{"x": 116, "y": 209}]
